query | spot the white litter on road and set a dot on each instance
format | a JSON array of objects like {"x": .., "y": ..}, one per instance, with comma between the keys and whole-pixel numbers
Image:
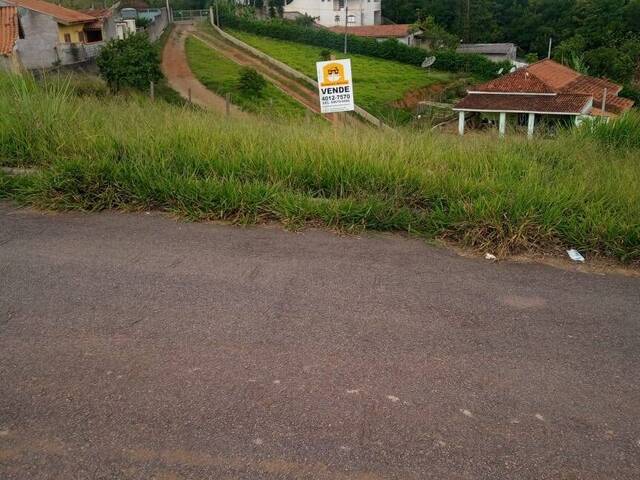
[
  {"x": 575, "y": 255},
  {"x": 392, "y": 398},
  {"x": 466, "y": 412},
  {"x": 539, "y": 417},
  {"x": 490, "y": 256}
]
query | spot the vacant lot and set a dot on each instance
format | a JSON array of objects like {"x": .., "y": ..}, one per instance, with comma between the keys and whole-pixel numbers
[
  {"x": 504, "y": 196},
  {"x": 377, "y": 83},
  {"x": 221, "y": 76}
]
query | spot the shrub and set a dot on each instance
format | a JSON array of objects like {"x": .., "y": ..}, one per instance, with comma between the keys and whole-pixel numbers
[
  {"x": 325, "y": 55},
  {"x": 251, "y": 82},
  {"x": 143, "y": 22},
  {"x": 447, "y": 60},
  {"x": 132, "y": 62}
]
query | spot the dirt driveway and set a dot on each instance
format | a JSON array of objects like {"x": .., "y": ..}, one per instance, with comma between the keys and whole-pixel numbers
[{"x": 176, "y": 69}]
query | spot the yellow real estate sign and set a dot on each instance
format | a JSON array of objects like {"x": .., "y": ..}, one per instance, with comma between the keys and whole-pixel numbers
[{"x": 335, "y": 86}]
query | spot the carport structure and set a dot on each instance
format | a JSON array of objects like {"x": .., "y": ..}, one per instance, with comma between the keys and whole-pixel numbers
[{"x": 545, "y": 88}]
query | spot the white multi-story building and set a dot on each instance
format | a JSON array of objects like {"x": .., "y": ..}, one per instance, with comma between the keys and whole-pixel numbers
[{"x": 330, "y": 13}]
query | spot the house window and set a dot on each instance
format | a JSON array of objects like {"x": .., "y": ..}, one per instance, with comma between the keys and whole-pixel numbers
[
  {"x": 337, "y": 19},
  {"x": 351, "y": 19},
  {"x": 67, "y": 38},
  {"x": 81, "y": 37},
  {"x": 93, "y": 35}
]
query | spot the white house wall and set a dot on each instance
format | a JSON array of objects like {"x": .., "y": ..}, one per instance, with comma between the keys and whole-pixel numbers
[{"x": 329, "y": 14}]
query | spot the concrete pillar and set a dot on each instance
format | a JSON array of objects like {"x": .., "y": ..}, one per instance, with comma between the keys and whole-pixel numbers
[
  {"x": 461, "y": 123},
  {"x": 502, "y": 127},
  {"x": 531, "y": 124}
]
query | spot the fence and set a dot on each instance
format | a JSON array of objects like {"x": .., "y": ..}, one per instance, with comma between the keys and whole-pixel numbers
[{"x": 179, "y": 15}]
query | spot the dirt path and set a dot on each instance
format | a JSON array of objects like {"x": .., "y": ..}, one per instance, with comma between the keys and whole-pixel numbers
[{"x": 180, "y": 77}]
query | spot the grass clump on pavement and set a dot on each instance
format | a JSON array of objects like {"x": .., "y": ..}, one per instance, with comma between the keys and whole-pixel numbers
[
  {"x": 504, "y": 196},
  {"x": 223, "y": 76}
]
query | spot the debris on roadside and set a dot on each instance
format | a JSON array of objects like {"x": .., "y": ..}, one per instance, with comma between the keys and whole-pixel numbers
[
  {"x": 575, "y": 255},
  {"x": 489, "y": 256}
]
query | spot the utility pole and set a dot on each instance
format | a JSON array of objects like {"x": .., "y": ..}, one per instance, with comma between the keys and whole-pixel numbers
[
  {"x": 169, "y": 19},
  {"x": 346, "y": 23},
  {"x": 550, "y": 42},
  {"x": 217, "y": 15},
  {"x": 467, "y": 25}
]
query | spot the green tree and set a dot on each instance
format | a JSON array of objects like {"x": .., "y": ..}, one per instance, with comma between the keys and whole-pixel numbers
[
  {"x": 611, "y": 63},
  {"x": 133, "y": 62},
  {"x": 251, "y": 82},
  {"x": 435, "y": 35}
]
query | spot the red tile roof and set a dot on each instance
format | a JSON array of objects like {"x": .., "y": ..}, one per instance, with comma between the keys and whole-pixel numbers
[
  {"x": 542, "y": 79},
  {"x": 567, "y": 104},
  {"x": 520, "y": 81},
  {"x": 553, "y": 73},
  {"x": 61, "y": 14},
  {"x": 98, "y": 12},
  {"x": 376, "y": 31},
  {"x": 8, "y": 29}
]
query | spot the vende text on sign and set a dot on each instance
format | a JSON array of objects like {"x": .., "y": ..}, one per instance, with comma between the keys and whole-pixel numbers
[{"x": 335, "y": 86}]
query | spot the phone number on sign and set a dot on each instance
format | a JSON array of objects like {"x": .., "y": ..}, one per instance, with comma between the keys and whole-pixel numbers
[{"x": 336, "y": 98}]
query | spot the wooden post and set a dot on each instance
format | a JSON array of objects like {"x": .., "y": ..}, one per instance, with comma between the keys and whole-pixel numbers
[
  {"x": 227, "y": 104},
  {"x": 152, "y": 91}
]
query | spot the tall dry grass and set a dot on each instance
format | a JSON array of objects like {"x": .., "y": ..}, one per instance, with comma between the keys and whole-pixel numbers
[{"x": 506, "y": 196}]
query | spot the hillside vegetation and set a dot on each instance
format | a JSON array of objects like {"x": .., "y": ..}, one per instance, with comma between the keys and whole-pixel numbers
[
  {"x": 222, "y": 75},
  {"x": 377, "y": 83},
  {"x": 502, "y": 196}
]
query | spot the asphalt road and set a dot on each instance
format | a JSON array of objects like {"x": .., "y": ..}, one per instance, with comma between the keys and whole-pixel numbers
[{"x": 138, "y": 347}]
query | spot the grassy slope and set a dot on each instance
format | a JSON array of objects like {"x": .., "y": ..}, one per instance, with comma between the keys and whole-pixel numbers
[
  {"x": 510, "y": 195},
  {"x": 377, "y": 82},
  {"x": 221, "y": 75}
]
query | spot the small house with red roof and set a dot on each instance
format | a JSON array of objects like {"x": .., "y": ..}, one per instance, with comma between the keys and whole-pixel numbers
[
  {"x": 543, "y": 89},
  {"x": 404, "y": 33},
  {"x": 51, "y": 35}
]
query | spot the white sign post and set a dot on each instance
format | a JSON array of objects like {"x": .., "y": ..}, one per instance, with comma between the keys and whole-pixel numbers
[{"x": 335, "y": 86}]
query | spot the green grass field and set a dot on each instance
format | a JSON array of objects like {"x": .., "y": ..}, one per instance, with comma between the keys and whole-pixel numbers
[
  {"x": 376, "y": 83},
  {"x": 221, "y": 75},
  {"x": 508, "y": 196}
]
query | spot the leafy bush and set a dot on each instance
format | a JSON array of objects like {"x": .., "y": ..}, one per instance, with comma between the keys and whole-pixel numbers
[
  {"x": 447, "y": 60},
  {"x": 325, "y": 55},
  {"x": 251, "y": 82},
  {"x": 132, "y": 62},
  {"x": 143, "y": 22},
  {"x": 632, "y": 92}
]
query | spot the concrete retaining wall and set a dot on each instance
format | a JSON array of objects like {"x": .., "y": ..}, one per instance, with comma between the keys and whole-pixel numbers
[
  {"x": 290, "y": 71},
  {"x": 160, "y": 22}
]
